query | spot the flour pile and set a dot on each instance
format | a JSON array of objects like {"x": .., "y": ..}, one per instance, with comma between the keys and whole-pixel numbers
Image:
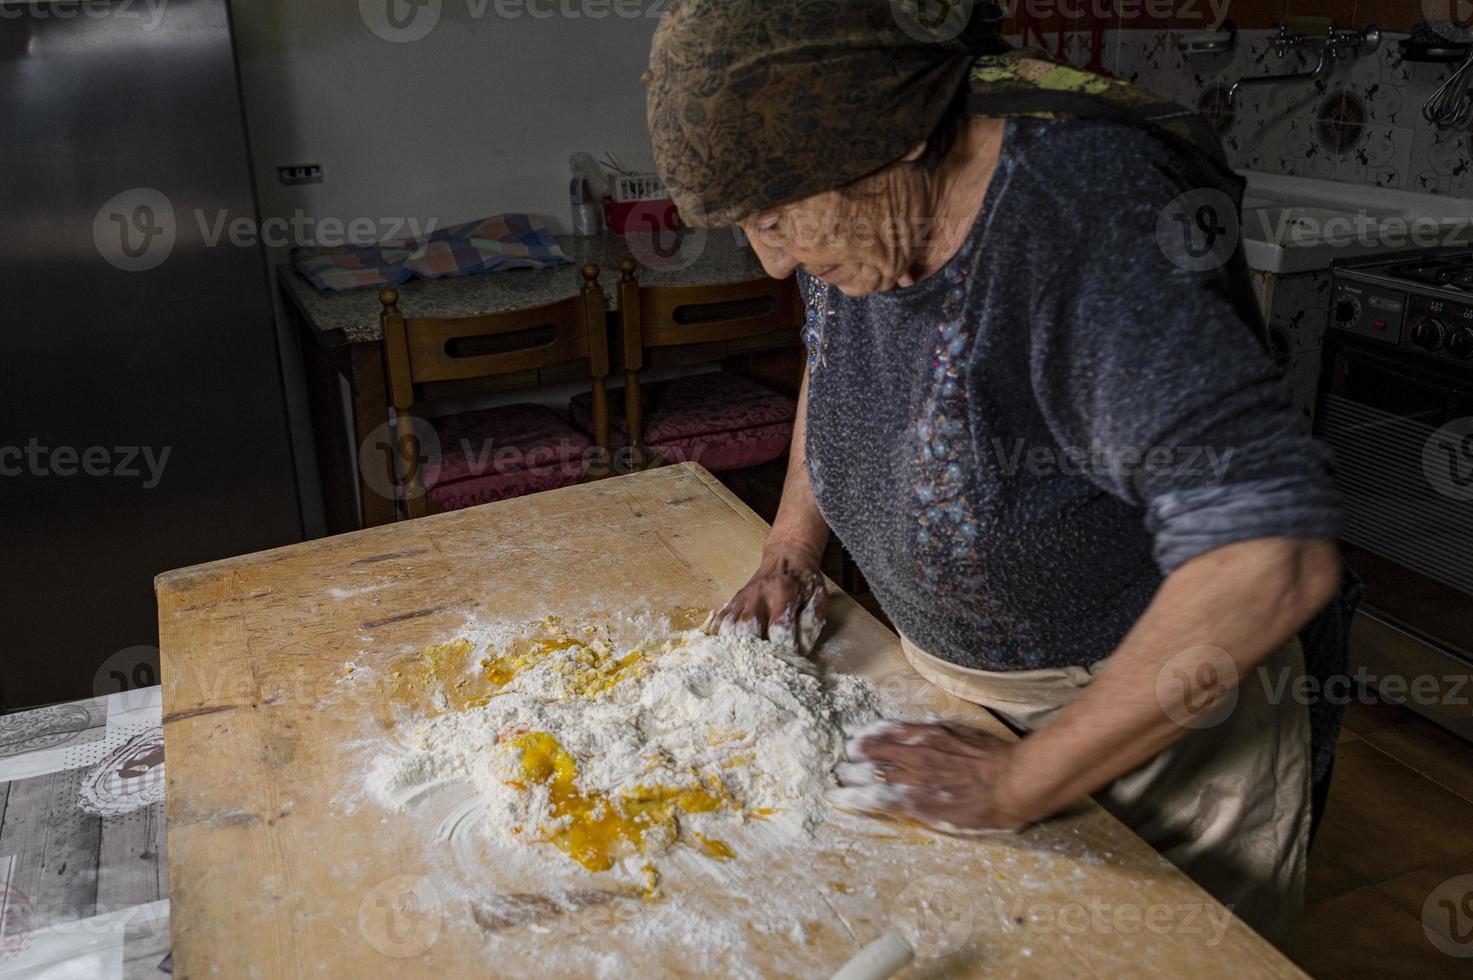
[{"x": 613, "y": 758}]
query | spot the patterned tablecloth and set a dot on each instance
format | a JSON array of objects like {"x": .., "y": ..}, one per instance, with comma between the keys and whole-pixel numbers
[
  {"x": 82, "y": 879},
  {"x": 696, "y": 259}
]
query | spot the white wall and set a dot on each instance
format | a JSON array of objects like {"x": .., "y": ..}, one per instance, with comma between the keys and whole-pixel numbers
[{"x": 477, "y": 117}]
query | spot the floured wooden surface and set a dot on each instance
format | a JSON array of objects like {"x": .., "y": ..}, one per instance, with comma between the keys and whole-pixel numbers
[{"x": 281, "y": 865}]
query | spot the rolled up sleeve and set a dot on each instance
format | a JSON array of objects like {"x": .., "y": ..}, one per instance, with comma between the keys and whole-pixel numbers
[{"x": 1152, "y": 370}]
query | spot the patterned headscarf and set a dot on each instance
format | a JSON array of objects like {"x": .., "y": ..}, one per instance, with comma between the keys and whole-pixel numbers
[{"x": 755, "y": 103}]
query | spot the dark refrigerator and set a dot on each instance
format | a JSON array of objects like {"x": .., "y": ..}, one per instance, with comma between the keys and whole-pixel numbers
[{"x": 143, "y": 425}]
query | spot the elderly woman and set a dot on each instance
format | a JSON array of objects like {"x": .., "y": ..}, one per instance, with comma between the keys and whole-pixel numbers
[{"x": 1045, "y": 428}]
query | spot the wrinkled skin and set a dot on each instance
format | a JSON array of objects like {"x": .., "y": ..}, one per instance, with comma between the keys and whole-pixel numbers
[
  {"x": 887, "y": 231},
  {"x": 940, "y": 774},
  {"x": 785, "y": 601}
]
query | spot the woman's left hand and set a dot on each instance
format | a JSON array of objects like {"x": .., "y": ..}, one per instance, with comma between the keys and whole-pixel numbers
[{"x": 944, "y": 775}]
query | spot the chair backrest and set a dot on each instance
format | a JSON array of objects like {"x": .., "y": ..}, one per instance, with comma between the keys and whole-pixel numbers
[
  {"x": 421, "y": 350},
  {"x": 673, "y": 316},
  {"x": 676, "y": 316}
]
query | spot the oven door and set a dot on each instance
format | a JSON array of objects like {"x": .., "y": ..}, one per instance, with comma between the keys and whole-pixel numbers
[{"x": 1401, "y": 426}]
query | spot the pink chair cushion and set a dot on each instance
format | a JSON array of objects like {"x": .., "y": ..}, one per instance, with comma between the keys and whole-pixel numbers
[
  {"x": 504, "y": 452},
  {"x": 488, "y": 489},
  {"x": 721, "y": 421},
  {"x": 733, "y": 450}
]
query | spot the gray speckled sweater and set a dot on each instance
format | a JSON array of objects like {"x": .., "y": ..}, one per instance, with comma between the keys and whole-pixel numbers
[{"x": 1017, "y": 450}]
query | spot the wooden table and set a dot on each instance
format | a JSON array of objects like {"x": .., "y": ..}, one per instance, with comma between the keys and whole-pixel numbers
[
  {"x": 341, "y": 337},
  {"x": 281, "y": 867}
]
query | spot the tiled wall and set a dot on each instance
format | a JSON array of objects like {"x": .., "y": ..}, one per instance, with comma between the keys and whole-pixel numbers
[
  {"x": 1361, "y": 122},
  {"x": 1389, "y": 15}
]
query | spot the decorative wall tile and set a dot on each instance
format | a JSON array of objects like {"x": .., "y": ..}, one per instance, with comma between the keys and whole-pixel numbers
[
  {"x": 1159, "y": 56},
  {"x": 1340, "y": 121},
  {"x": 1162, "y": 64},
  {"x": 1460, "y": 184},
  {"x": 1361, "y": 72},
  {"x": 1115, "y": 52},
  {"x": 1303, "y": 154},
  {"x": 1361, "y": 122},
  {"x": 1077, "y": 48},
  {"x": 1394, "y": 169},
  {"x": 1392, "y": 105},
  {"x": 1214, "y": 104},
  {"x": 1297, "y": 323},
  {"x": 1349, "y": 169},
  {"x": 1439, "y": 161}
]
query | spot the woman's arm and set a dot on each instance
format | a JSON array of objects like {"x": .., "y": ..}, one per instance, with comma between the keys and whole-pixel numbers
[
  {"x": 1212, "y": 621},
  {"x": 1223, "y": 611},
  {"x": 787, "y": 586}
]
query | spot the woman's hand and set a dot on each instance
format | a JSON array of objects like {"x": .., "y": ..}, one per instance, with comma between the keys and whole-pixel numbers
[
  {"x": 943, "y": 775},
  {"x": 785, "y": 601}
]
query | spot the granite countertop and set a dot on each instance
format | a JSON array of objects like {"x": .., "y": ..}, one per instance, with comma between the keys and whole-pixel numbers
[{"x": 703, "y": 258}]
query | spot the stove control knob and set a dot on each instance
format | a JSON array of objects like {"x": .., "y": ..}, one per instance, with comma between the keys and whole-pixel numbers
[
  {"x": 1429, "y": 334},
  {"x": 1347, "y": 311},
  {"x": 1460, "y": 344}
]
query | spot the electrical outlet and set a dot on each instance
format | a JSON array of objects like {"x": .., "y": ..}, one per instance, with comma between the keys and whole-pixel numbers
[{"x": 300, "y": 173}]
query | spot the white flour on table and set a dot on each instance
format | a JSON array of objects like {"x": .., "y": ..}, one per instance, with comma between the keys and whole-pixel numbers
[{"x": 702, "y": 735}]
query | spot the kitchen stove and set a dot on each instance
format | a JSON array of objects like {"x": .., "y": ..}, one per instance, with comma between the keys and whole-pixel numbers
[
  {"x": 1422, "y": 303},
  {"x": 1396, "y": 405}
]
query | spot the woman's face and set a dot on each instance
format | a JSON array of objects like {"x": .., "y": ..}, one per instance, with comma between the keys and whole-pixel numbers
[{"x": 864, "y": 238}]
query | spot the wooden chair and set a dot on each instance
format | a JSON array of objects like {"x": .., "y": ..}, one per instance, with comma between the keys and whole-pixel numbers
[
  {"x": 508, "y": 451},
  {"x": 722, "y": 421}
]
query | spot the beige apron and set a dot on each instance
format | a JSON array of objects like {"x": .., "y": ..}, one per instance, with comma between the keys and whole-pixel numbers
[{"x": 1228, "y": 805}]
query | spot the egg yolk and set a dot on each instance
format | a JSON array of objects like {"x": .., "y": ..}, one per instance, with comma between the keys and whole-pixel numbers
[{"x": 597, "y": 829}]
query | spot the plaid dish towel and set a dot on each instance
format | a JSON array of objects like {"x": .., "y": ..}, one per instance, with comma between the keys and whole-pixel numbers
[{"x": 506, "y": 241}]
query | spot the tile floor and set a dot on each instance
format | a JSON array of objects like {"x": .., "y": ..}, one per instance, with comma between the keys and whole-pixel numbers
[{"x": 1399, "y": 823}]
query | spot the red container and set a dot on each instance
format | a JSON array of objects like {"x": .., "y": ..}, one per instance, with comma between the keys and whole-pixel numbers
[{"x": 623, "y": 217}]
